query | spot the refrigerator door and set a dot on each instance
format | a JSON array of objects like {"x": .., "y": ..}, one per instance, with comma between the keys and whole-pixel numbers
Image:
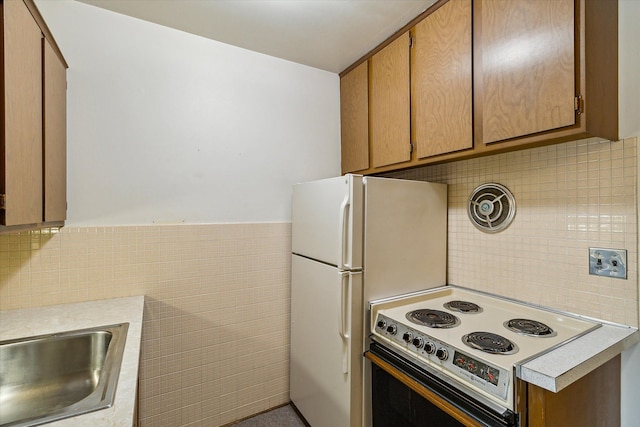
[
  {"x": 326, "y": 344},
  {"x": 405, "y": 236},
  {"x": 326, "y": 221}
]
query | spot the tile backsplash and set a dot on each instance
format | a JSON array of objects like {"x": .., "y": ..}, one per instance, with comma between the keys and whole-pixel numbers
[
  {"x": 216, "y": 325},
  {"x": 215, "y": 344},
  {"x": 569, "y": 197}
]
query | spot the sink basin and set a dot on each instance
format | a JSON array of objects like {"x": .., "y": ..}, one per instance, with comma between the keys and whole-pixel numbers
[{"x": 50, "y": 377}]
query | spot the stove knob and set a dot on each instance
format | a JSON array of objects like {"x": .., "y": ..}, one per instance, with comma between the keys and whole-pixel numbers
[
  {"x": 392, "y": 329},
  {"x": 407, "y": 336},
  {"x": 381, "y": 324},
  {"x": 430, "y": 348},
  {"x": 442, "y": 354},
  {"x": 417, "y": 342}
]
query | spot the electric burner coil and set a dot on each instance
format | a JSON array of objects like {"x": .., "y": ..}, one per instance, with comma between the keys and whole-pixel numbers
[
  {"x": 433, "y": 318},
  {"x": 463, "y": 306},
  {"x": 529, "y": 327},
  {"x": 490, "y": 343}
]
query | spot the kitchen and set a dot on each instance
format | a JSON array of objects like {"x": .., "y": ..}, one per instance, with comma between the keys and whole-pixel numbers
[{"x": 168, "y": 117}]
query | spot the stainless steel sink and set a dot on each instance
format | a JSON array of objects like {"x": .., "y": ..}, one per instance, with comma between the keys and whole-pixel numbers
[{"x": 50, "y": 377}]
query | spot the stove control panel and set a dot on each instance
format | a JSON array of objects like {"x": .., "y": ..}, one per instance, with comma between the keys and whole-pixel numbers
[{"x": 429, "y": 351}]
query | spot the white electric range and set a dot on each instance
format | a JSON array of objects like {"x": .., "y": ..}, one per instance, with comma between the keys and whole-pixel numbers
[{"x": 472, "y": 340}]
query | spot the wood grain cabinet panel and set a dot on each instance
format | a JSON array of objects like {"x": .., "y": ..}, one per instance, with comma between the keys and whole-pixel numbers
[
  {"x": 55, "y": 136},
  {"x": 541, "y": 72},
  {"x": 389, "y": 104},
  {"x": 33, "y": 146},
  {"x": 441, "y": 81},
  {"x": 354, "y": 119},
  {"x": 22, "y": 133},
  {"x": 592, "y": 401},
  {"x": 525, "y": 67}
]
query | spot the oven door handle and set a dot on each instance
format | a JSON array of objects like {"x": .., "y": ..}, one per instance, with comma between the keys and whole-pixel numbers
[{"x": 345, "y": 320}]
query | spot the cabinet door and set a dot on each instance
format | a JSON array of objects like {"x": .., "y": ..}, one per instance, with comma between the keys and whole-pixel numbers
[
  {"x": 55, "y": 136},
  {"x": 390, "y": 104},
  {"x": 524, "y": 67},
  {"x": 441, "y": 80},
  {"x": 354, "y": 119},
  {"x": 22, "y": 115},
  {"x": 591, "y": 401}
]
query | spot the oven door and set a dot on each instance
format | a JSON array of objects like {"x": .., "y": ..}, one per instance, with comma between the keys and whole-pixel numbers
[{"x": 405, "y": 395}]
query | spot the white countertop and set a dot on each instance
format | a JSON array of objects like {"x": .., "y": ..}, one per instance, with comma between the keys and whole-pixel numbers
[
  {"x": 59, "y": 318},
  {"x": 561, "y": 367}
]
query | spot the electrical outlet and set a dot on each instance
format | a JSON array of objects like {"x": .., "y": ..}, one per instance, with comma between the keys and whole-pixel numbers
[{"x": 608, "y": 262}]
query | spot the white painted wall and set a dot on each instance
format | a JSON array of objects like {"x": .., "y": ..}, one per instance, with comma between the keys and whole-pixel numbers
[
  {"x": 165, "y": 126},
  {"x": 629, "y": 105}
]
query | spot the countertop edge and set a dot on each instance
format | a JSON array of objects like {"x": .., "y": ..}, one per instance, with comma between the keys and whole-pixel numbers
[
  {"x": 563, "y": 366},
  {"x": 59, "y": 318}
]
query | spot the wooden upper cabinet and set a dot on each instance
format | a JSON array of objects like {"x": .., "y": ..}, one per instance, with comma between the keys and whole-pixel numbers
[
  {"x": 33, "y": 147},
  {"x": 22, "y": 133},
  {"x": 55, "y": 135},
  {"x": 354, "y": 119},
  {"x": 441, "y": 80},
  {"x": 490, "y": 76},
  {"x": 389, "y": 104},
  {"x": 525, "y": 67}
]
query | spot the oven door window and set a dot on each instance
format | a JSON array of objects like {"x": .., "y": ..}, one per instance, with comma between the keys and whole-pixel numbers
[{"x": 396, "y": 405}]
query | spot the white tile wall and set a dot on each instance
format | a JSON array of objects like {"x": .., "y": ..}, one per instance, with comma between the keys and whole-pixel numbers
[
  {"x": 569, "y": 197},
  {"x": 216, "y": 326}
]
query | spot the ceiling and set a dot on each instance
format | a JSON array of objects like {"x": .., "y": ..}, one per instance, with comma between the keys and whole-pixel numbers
[{"x": 325, "y": 34}]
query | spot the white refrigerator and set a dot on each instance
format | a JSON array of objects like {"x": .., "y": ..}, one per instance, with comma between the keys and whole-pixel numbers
[{"x": 354, "y": 239}]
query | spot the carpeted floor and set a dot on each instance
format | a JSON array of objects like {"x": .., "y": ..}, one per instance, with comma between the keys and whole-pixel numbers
[{"x": 284, "y": 416}]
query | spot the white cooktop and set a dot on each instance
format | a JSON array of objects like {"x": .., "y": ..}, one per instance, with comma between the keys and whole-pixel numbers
[{"x": 495, "y": 311}]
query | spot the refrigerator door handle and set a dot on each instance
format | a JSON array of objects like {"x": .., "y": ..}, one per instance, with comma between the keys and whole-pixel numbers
[
  {"x": 345, "y": 321},
  {"x": 342, "y": 226}
]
